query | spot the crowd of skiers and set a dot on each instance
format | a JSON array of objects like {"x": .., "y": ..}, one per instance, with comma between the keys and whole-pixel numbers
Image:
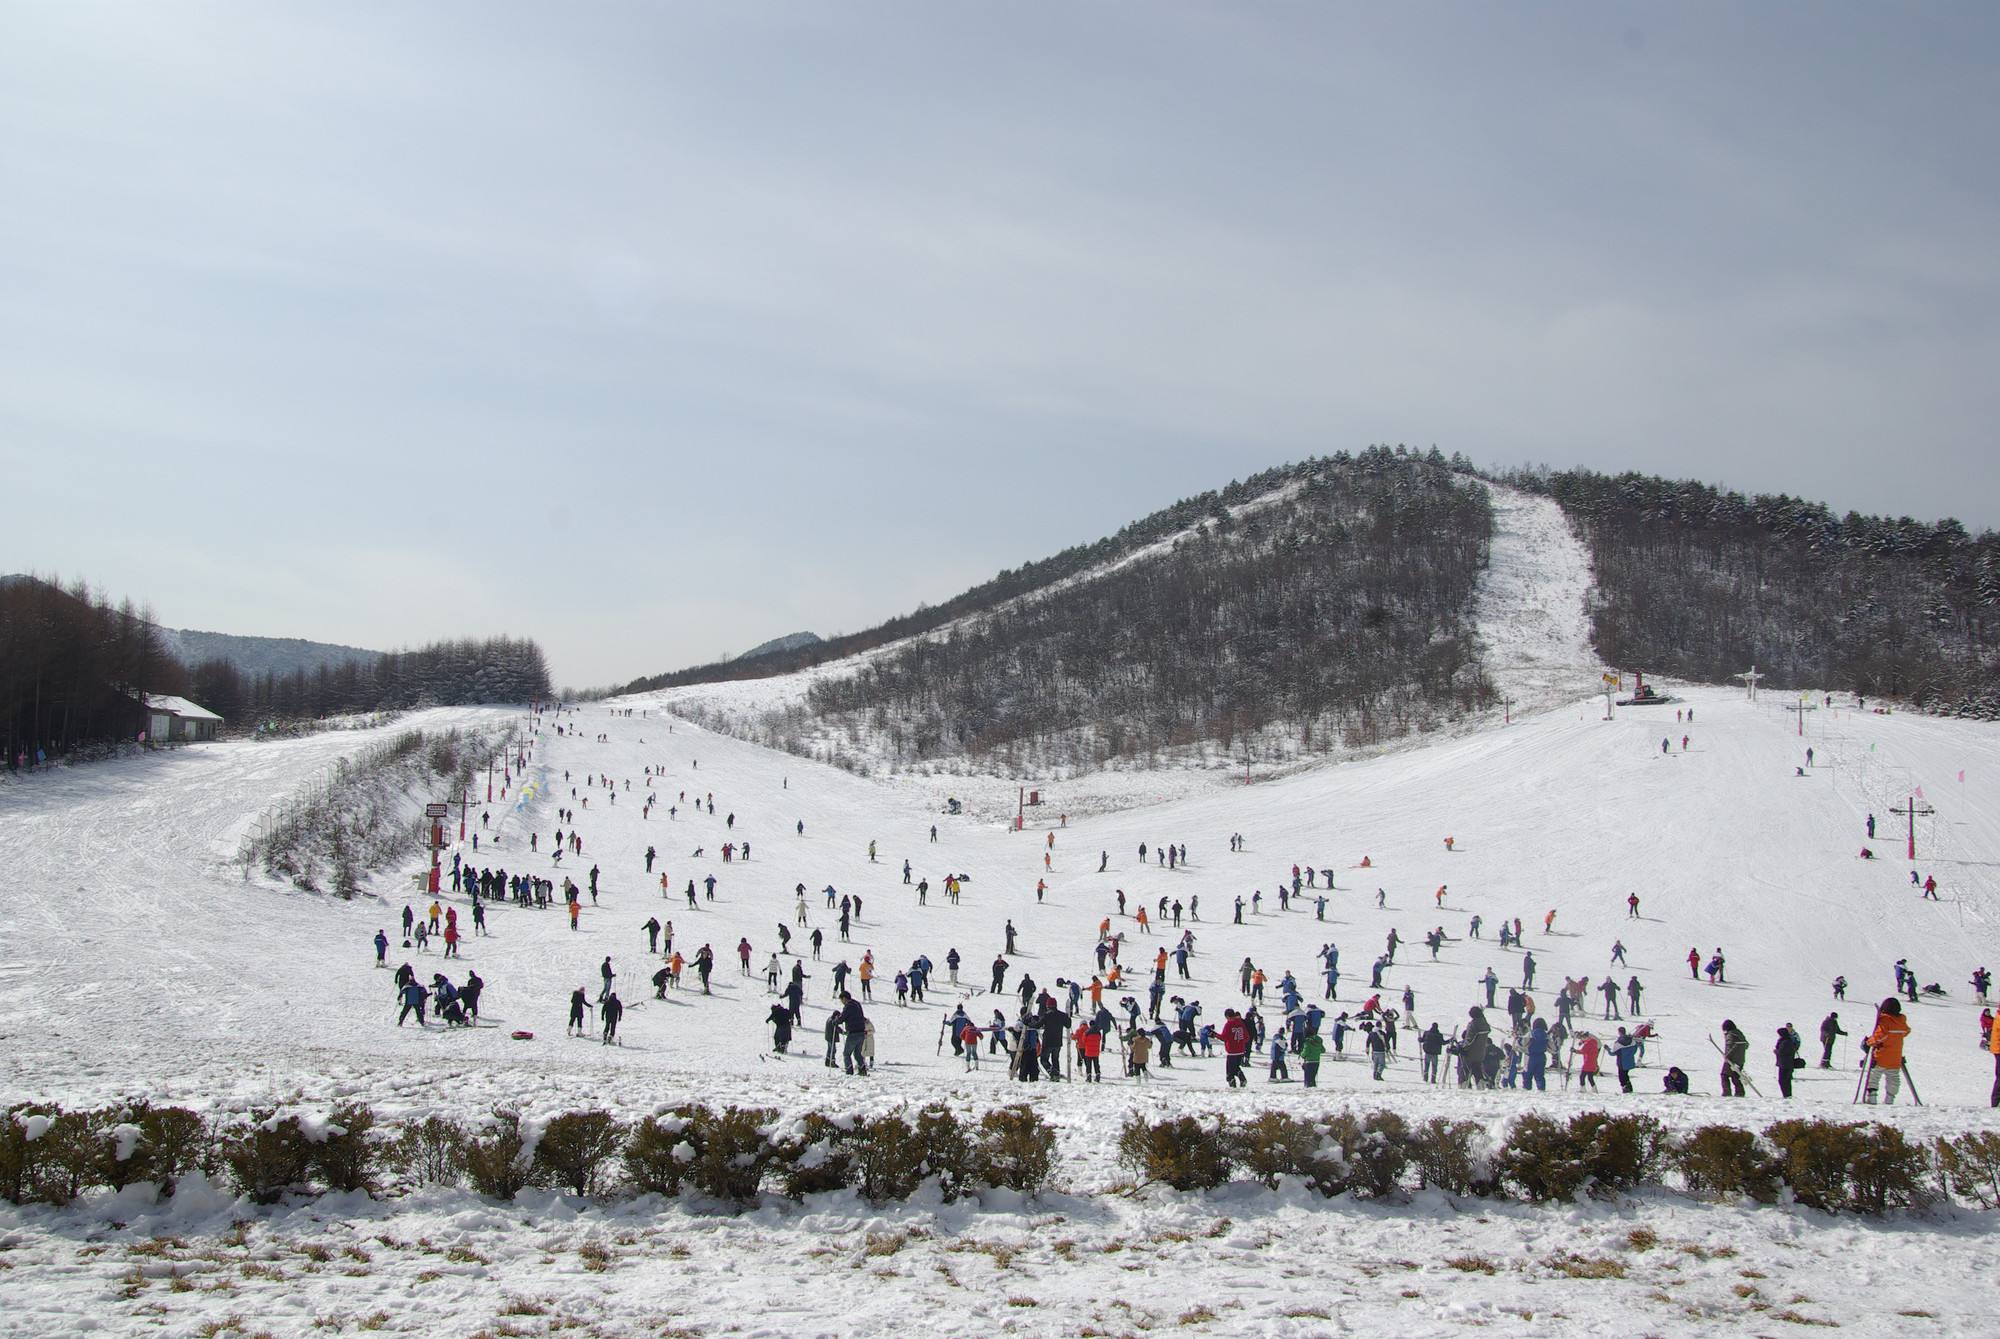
[{"x": 1067, "y": 1030}]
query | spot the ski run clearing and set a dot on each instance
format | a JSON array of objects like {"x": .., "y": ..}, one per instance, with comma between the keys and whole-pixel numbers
[{"x": 140, "y": 960}]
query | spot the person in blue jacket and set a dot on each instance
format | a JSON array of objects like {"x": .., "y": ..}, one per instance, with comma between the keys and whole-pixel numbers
[
  {"x": 381, "y": 949},
  {"x": 1625, "y": 1051},
  {"x": 414, "y": 996}
]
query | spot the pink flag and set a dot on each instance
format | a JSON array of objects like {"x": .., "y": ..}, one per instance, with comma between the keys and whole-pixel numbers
[
  {"x": 1961, "y": 776},
  {"x": 1920, "y": 792}
]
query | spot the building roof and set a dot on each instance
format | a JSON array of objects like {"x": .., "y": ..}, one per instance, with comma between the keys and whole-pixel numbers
[{"x": 177, "y": 706}]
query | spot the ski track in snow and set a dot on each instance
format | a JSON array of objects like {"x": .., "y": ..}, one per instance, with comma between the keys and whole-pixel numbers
[{"x": 1530, "y": 608}]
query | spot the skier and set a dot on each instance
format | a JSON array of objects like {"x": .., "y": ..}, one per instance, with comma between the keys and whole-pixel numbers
[
  {"x": 381, "y": 949},
  {"x": 1786, "y": 1053},
  {"x": 1829, "y": 1030},
  {"x": 780, "y": 1019},
  {"x": 1735, "y": 1050},
  {"x": 1694, "y": 963},
  {"x": 1624, "y": 1051},
  {"x": 1587, "y": 1046},
  {"x": 1235, "y": 1048},
  {"x": 854, "y": 1024},
  {"x": 611, "y": 1011},
  {"x": 414, "y": 996},
  {"x": 1535, "y": 1077},
  {"x": 579, "y": 1001},
  {"x": 1885, "y": 1050}
]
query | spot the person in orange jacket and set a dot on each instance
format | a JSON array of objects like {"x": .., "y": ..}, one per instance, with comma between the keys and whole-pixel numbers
[
  {"x": 1993, "y": 1045},
  {"x": 1885, "y": 1050}
]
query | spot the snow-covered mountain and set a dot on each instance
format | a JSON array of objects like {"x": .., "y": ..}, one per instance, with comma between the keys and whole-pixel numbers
[{"x": 791, "y": 641}]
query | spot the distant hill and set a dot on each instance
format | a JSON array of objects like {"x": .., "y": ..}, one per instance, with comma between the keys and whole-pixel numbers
[
  {"x": 252, "y": 656},
  {"x": 258, "y": 655},
  {"x": 791, "y": 641}
]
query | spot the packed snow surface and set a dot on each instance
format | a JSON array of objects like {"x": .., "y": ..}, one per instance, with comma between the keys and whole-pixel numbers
[
  {"x": 1530, "y": 609},
  {"x": 139, "y": 960}
]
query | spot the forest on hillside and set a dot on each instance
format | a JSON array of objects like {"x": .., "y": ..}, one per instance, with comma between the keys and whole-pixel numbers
[
  {"x": 1015, "y": 582},
  {"x": 70, "y": 661},
  {"x": 1701, "y": 583},
  {"x": 444, "y": 674},
  {"x": 1336, "y": 611}
]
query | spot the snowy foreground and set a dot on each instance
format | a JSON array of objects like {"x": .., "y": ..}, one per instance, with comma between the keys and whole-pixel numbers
[{"x": 139, "y": 961}]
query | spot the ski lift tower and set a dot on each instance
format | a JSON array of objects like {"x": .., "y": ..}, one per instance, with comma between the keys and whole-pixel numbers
[
  {"x": 1750, "y": 678},
  {"x": 1801, "y": 707},
  {"x": 435, "y": 815},
  {"x": 1911, "y": 810}
]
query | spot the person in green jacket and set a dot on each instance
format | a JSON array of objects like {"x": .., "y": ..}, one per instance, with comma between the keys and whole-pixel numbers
[{"x": 1313, "y": 1048}]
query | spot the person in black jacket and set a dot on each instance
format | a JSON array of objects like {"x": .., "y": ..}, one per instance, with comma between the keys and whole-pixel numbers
[
  {"x": 1787, "y": 1054},
  {"x": 854, "y": 1024},
  {"x": 1829, "y": 1030}
]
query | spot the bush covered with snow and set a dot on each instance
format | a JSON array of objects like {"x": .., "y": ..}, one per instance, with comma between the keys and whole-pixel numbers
[
  {"x": 1185, "y": 1152},
  {"x": 577, "y": 1151},
  {"x": 1969, "y": 1167},
  {"x": 1453, "y": 1156},
  {"x": 498, "y": 1159},
  {"x": 1722, "y": 1162},
  {"x": 269, "y": 1156},
  {"x": 1836, "y": 1166}
]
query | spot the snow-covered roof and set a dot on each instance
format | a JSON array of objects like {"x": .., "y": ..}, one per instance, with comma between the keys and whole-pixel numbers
[{"x": 177, "y": 706}]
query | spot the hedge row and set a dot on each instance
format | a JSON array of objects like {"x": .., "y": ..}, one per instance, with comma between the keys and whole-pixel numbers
[
  {"x": 1834, "y": 1166},
  {"x": 51, "y": 1156},
  {"x": 738, "y": 1154}
]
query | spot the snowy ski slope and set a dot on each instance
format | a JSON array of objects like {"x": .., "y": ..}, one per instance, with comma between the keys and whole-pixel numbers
[{"x": 139, "y": 956}]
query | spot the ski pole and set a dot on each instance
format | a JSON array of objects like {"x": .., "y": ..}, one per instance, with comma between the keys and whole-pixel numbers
[{"x": 1911, "y": 1081}]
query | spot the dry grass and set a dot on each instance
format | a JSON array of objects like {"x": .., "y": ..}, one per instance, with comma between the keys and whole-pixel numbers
[
  {"x": 1472, "y": 1264},
  {"x": 1641, "y": 1239},
  {"x": 1794, "y": 1318},
  {"x": 595, "y": 1257},
  {"x": 1197, "y": 1315},
  {"x": 1574, "y": 1266}
]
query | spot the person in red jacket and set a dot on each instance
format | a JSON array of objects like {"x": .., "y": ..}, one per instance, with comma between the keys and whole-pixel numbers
[
  {"x": 1235, "y": 1048},
  {"x": 1694, "y": 963},
  {"x": 1089, "y": 1046}
]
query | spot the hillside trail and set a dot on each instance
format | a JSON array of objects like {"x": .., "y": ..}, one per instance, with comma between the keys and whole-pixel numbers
[{"x": 1530, "y": 610}]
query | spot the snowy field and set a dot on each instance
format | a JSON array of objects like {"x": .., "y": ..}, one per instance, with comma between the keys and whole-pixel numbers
[{"x": 139, "y": 960}]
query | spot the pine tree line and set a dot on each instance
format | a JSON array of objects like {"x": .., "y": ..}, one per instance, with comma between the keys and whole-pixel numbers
[
  {"x": 1700, "y": 583},
  {"x": 445, "y": 674},
  {"x": 70, "y": 662}
]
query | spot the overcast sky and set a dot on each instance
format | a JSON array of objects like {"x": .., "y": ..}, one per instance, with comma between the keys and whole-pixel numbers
[{"x": 656, "y": 330}]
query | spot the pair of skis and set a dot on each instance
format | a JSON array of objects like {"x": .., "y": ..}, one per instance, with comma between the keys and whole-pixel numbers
[
  {"x": 1868, "y": 1069},
  {"x": 1733, "y": 1069}
]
